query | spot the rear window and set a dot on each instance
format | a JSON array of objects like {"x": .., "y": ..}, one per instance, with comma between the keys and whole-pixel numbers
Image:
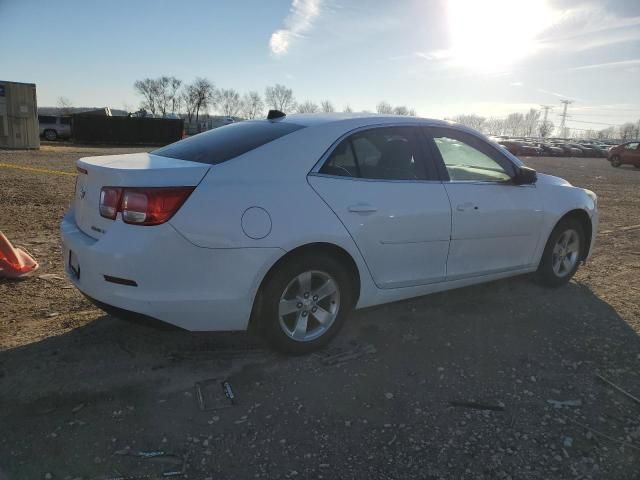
[{"x": 224, "y": 143}]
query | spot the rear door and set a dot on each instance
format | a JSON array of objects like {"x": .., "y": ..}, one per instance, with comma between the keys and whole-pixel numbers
[
  {"x": 495, "y": 223},
  {"x": 387, "y": 195}
]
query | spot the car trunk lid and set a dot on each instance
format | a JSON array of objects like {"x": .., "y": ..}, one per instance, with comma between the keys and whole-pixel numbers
[{"x": 128, "y": 170}]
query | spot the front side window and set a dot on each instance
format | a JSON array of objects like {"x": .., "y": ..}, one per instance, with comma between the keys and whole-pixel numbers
[
  {"x": 632, "y": 146},
  {"x": 467, "y": 159},
  {"x": 389, "y": 153}
]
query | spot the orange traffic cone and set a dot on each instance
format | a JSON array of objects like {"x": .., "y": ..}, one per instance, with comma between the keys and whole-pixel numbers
[{"x": 14, "y": 262}]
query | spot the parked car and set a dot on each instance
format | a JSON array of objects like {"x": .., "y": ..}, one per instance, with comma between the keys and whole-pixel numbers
[
  {"x": 550, "y": 150},
  {"x": 601, "y": 150},
  {"x": 286, "y": 224},
  {"x": 54, "y": 127},
  {"x": 587, "y": 151},
  {"x": 569, "y": 150},
  {"x": 627, "y": 153},
  {"x": 519, "y": 148}
]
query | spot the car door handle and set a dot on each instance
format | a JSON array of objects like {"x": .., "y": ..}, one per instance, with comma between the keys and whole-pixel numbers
[
  {"x": 362, "y": 208},
  {"x": 466, "y": 206}
]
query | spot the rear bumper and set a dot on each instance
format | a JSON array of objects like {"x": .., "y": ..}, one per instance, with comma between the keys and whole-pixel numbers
[{"x": 177, "y": 282}]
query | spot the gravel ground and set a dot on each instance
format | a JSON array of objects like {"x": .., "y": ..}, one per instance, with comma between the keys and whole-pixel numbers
[{"x": 463, "y": 384}]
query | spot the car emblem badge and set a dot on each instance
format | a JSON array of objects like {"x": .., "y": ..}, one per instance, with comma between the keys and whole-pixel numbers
[{"x": 83, "y": 192}]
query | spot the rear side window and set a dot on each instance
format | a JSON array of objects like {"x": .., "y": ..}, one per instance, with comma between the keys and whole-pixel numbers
[
  {"x": 65, "y": 120},
  {"x": 390, "y": 153},
  {"x": 46, "y": 119},
  {"x": 224, "y": 143}
]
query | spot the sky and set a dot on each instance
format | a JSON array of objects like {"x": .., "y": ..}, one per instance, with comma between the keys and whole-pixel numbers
[{"x": 440, "y": 57}]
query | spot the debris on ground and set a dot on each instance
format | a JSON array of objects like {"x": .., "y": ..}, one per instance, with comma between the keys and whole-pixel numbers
[
  {"x": 50, "y": 276},
  {"x": 213, "y": 394},
  {"x": 619, "y": 389},
  {"x": 476, "y": 405},
  {"x": 337, "y": 355},
  {"x": 565, "y": 403}
]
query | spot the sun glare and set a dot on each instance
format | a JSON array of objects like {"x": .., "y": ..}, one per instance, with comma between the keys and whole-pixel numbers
[{"x": 490, "y": 35}]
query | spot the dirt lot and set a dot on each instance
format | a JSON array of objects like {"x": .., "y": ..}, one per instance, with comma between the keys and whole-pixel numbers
[{"x": 81, "y": 393}]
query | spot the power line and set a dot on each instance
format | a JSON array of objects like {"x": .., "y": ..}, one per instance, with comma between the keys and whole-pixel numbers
[{"x": 598, "y": 123}]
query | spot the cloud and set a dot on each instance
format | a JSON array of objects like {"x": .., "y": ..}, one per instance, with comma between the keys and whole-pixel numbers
[
  {"x": 299, "y": 21},
  {"x": 596, "y": 66},
  {"x": 589, "y": 26}
]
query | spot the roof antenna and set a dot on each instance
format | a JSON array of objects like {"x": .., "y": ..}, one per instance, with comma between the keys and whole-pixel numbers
[{"x": 273, "y": 114}]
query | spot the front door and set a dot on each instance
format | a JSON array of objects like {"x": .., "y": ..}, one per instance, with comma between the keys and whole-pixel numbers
[
  {"x": 386, "y": 195},
  {"x": 495, "y": 223}
]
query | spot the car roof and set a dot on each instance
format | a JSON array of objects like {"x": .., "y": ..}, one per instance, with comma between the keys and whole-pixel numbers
[{"x": 360, "y": 118}]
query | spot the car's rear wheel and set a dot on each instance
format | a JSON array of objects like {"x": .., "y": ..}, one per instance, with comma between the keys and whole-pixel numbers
[
  {"x": 562, "y": 253},
  {"x": 305, "y": 302},
  {"x": 615, "y": 161},
  {"x": 50, "y": 135}
]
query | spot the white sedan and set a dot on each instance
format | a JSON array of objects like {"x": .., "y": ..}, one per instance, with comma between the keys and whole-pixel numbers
[{"x": 287, "y": 224}]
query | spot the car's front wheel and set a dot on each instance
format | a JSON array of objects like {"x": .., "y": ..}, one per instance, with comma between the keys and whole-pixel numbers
[
  {"x": 615, "y": 161},
  {"x": 562, "y": 254},
  {"x": 305, "y": 302}
]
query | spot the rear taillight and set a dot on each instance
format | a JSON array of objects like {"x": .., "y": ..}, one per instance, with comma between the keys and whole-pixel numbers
[
  {"x": 110, "y": 201},
  {"x": 142, "y": 206}
]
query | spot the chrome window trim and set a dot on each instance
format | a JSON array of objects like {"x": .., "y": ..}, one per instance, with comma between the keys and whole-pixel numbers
[{"x": 378, "y": 180}]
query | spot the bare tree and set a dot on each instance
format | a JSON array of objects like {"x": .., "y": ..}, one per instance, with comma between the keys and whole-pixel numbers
[
  {"x": 327, "y": 106},
  {"x": 148, "y": 89},
  {"x": 412, "y": 112},
  {"x": 198, "y": 96},
  {"x": 252, "y": 105},
  {"x": 531, "y": 119},
  {"x": 606, "y": 133},
  {"x": 174, "y": 88},
  {"x": 189, "y": 97},
  {"x": 401, "y": 110},
  {"x": 307, "y": 107},
  {"x": 546, "y": 128},
  {"x": 279, "y": 97},
  {"x": 514, "y": 124},
  {"x": 65, "y": 107},
  {"x": 163, "y": 87},
  {"x": 493, "y": 126},
  {"x": 347, "y": 109},
  {"x": 627, "y": 131},
  {"x": 384, "y": 107},
  {"x": 472, "y": 121},
  {"x": 229, "y": 102}
]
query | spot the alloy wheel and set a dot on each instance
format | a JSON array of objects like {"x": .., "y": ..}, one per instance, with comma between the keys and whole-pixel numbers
[
  {"x": 566, "y": 252},
  {"x": 309, "y": 305}
]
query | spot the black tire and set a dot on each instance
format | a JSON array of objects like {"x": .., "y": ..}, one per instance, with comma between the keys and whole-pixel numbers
[
  {"x": 546, "y": 274},
  {"x": 51, "y": 135},
  {"x": 275, "y": 287},
  {"x": 615, "y": 161}
]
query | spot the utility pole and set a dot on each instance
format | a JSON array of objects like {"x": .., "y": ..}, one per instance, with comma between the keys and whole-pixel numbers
[
  {"x": 546, "y": 109},
  {"x": 563, "y": 128}
]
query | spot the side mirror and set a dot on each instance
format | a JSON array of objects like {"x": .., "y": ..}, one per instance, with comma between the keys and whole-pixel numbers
[{"x": 525, "y": 176}]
